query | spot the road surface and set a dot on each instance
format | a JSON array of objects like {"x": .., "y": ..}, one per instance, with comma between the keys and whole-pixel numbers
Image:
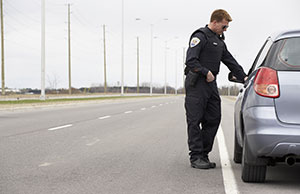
[{"x": 120, "y": 146}]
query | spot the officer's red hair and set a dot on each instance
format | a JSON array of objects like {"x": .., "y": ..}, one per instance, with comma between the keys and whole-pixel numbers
[{"x": 219, "y": 15}]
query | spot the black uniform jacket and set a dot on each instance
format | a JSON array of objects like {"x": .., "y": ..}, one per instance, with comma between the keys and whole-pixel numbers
[{"x": 206, "y": 50}]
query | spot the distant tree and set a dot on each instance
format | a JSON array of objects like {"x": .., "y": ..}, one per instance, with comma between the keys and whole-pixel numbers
[{"x": 53, "y": 81}]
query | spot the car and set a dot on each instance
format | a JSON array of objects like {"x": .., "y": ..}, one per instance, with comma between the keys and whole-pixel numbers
[{"x": 267, "y": 109}]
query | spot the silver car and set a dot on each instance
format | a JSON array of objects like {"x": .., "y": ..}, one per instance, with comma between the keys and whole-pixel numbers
[{"x": 267, "y": 110}]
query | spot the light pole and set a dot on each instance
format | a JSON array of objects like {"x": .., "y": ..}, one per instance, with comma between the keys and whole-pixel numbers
[
  {"x": 176, "y": 72},
  {"x": 137, "y": 66},
  {"x": 2, "y": 50},
  {"x": 165, "y": 89},
  {"x": 43, "y": 43},
  {"x": 183, "y": 62},
  {"x": 151, "y": 58},
  {"x": 122, "y": 55}
]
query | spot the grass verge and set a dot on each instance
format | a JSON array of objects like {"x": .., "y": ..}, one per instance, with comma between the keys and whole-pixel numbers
[{"x": 36, "y": 101}]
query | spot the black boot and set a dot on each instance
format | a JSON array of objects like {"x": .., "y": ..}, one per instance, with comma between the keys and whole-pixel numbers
[
  {"x": 211, "y": 164},
  {"x": 200, "y": 164}
]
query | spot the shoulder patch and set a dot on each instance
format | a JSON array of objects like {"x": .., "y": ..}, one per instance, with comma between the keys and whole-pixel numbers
[{"x": 194, "y": 42}]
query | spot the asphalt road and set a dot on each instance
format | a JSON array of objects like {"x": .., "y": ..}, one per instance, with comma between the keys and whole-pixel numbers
[{"x": 118, "y": 146}]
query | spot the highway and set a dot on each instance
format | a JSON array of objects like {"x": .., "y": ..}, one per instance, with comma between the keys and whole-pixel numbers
[{"x": 118, "y": 147}]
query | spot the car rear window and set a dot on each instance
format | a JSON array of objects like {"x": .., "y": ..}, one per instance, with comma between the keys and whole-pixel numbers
[{"x": 284, "y": 55}]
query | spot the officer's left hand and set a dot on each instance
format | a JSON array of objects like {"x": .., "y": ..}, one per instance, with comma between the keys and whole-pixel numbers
[{"x": 210, "y": 77}]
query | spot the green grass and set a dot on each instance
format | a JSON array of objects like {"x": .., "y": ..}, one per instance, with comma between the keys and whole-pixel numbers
[{"x": 69, "y": 99}]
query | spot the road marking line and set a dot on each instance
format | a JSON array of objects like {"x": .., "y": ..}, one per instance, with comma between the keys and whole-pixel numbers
[
  {"x": 105, "y": 117},
  {"x": 160, "y": 104},
  {"x": 127, "y": 112},
  {"x": 60, "y": 127},
  {"x": 153, "y": 106},
  {"x": 93, "y": 143},
  {"x": 143, "y": 108},
  {"x": 45, "y": 164},
  {"x": 228, "y": 176}
]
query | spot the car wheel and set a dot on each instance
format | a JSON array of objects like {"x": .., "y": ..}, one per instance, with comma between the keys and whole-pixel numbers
[
  {"x": 238, "y": 151},
  {"x": 252, "y": 172}
]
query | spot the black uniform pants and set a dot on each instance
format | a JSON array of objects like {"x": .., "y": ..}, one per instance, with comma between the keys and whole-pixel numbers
[{"x": 203, "y": 107}]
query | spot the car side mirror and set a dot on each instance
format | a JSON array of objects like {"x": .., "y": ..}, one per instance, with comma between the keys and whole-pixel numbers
[{"x": 233, "y": 78}]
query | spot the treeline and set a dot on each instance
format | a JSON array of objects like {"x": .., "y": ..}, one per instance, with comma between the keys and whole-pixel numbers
[{"x": 224, "y": 90}]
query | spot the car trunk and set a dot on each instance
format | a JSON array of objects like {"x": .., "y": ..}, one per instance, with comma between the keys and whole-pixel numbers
[{"x": 288, "y": 104}]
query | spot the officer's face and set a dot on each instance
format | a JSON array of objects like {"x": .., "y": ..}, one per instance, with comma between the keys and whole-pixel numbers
[{"x": 221, "y": 26}]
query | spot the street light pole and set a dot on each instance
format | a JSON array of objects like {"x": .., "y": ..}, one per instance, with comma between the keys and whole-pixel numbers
[
  {"x": 183, "y": 62},
  {"x": 122, "y": 57},
  {"x": 104, "y": 57},
  {"x": 176, "y": 72},
  {"x": 151, "y": 59},
  {"x": 138, "y": 66},
  {"x": 2, "y": 50},
  {"x": 165, "y": 90},
  {"x": 43, "y": 43}
]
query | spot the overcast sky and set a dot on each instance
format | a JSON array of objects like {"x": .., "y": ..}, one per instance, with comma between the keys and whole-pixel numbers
[{"x": 253, "y": 21}]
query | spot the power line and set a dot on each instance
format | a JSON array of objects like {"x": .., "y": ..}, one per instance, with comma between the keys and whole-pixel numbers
[{"x": 20, "y": 12}]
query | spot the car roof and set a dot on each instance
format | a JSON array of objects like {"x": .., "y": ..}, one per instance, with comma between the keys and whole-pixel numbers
[{"x": 285, "y": 34}]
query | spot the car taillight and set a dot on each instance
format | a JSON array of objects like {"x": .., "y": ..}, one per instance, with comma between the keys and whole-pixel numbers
[{"x": 266, "y": 83}]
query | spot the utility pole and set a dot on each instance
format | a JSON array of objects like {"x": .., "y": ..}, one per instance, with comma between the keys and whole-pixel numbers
[
  {"x": 151, "y": 59},
  {"x": 176, "y": 72},
  {"x": 165, "y": 90},
  {"x": 69, "y": 49},
  {"x": 122, "y": 55},
  {"x": 104, "y": 45},
  {"x": 43, "y": 48},
  {"x": 2, "y": 50},
  {"x": 138, "y": 67},
  {"x": 183, "y": 62}
]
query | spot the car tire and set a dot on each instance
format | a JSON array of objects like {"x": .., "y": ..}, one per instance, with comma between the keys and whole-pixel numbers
[
  {"x": 238, "y": 151},
  {"x": 251, "y": 172}
]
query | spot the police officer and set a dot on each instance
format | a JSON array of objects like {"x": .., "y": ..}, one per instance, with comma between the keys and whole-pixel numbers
[{"x": 202, "y": 102}]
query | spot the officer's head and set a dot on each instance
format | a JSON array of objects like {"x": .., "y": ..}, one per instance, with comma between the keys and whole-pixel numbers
[{"x": 219, "y": 21}]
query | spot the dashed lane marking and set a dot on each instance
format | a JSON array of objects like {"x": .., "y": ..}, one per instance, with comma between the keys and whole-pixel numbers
[
  {"x": 93, "y": 142},
  {"x": 127, "y": 112},
  {"x": 60, "y": 127},
  {"x": 105, "y": 117},
  {"x": 45, "y": 164},
  {"x": 143, "y": 108},
  {"x": 228, "y": 176}
]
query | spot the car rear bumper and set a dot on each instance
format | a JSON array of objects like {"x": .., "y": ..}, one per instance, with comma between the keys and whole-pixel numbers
[{"x": 267, "y": 136}]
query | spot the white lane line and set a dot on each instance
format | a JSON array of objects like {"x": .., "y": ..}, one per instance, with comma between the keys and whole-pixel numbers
[
  {"x": 60, "y": 127},
  {"x": 93, "y": 142},
  {"x": 160, "y": 104},
  {"x": 105, "y": 117},
  {"x": 143, "y": 108},
  {"x": 45, "y": 164},
  {"x": 228, "y": 176},
  {"x": 153, "y": 106},
  {"x": 127, "y": 112}
]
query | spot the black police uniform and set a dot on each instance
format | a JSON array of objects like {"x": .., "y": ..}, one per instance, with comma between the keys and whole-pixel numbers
[{"x": 202, "y": 102}]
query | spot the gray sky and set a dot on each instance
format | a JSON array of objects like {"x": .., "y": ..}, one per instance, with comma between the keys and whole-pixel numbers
[{"x": 253, "y": 21}]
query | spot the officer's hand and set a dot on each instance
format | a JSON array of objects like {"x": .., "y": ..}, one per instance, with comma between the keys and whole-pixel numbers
[
  {"x": 245, "y": 79},
  {"x": 210, "y": 77}
]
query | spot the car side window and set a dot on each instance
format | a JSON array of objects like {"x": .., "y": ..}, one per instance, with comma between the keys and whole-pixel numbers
[{"x": 261, "y": 55}]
